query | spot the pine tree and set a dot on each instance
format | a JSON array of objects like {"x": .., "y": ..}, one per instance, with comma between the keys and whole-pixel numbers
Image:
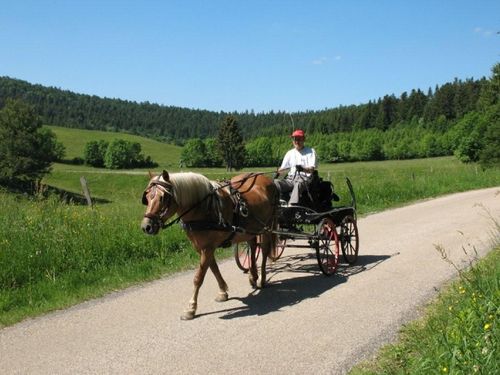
[{"x": 231, "y": 144}]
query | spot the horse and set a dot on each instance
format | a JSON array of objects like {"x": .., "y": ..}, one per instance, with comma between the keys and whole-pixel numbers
[{"x": 215, "y": 214}]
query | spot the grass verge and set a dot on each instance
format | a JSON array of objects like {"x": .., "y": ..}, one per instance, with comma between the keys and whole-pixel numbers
[{"x": 459, "y": 333}]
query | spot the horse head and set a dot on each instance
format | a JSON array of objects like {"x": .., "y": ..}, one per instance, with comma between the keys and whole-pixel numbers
[{"x": 158, "y": 198}]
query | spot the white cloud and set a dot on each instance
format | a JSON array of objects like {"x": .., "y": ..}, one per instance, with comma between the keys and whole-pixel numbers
[
  {"x": 320, "y": 61},
  {"x": 483, "y": 32},
  {"x": 324, "y": 60}
]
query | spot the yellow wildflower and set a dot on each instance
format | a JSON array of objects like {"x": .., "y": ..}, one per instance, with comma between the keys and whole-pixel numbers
[{"x": 487, "y": 326}]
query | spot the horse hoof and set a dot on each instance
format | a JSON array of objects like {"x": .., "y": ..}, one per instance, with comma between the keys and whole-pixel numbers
[
  {"x": 188, "y": 315},
  {"x": 221, "y": 297}
]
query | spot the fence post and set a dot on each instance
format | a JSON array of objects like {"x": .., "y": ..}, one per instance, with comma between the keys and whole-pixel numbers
[{"x": 86, "y": 191}]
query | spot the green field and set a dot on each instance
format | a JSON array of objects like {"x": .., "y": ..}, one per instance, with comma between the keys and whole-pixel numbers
[
  {"x": 378, "y": 184},
  {"x": 53, "y": 255},
  {"x": 74, "y": 140}
]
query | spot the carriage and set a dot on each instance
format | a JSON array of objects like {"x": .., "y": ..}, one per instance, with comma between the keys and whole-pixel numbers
[
  {"x": 315, "y": 223},
  {"x": 245, "y": 209}
]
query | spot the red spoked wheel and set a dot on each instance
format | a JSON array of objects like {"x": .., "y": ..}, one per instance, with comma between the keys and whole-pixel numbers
[
  {"x": 242, "y": 255},
  {"x": 278, "y": 249},
  {"x": 349, "y": 239},
  {"x": 327, "y": 248}
]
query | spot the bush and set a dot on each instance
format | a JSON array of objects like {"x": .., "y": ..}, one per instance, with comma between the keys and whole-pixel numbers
[
  {"x": 94, "y": 153},
  {"x": 118, "y": 154}
]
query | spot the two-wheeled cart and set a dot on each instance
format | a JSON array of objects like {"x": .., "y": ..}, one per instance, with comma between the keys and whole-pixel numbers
[{"x": 316, "y": 223}]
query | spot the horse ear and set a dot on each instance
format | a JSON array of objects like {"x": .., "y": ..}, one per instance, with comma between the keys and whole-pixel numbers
[{"x": 165, "y": 175}]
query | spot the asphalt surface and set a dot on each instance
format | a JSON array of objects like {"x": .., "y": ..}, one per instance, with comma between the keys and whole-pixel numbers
[{"x": 301, "y": 323}]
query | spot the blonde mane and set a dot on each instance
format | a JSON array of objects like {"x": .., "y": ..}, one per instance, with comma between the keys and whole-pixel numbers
[{"x": 190, "y": 188}]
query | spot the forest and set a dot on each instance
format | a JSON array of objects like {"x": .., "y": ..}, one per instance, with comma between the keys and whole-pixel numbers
[{"x": 456, "y": 117}]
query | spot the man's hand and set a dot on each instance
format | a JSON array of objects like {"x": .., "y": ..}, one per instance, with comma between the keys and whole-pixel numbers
[
  {"x": 276, "y": 175},
  {"x": 299, "y": 168}
]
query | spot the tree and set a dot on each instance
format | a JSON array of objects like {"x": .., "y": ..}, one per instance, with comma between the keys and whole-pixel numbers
[
  {"x": 490, "y": 92},
  {"x": 94, "y": 153},
  {"x": 26, "y": 151},
  {"x": 231, "y": 144},
  {"x": 51, "y": 146},
  {"x": 194, "y": 153},
  {"x": 416, "y": 104},
  {"x": 124, "y": 154},
  {"x": 261, "y": 152},
  {"x": 213, "y": 156},
  {"x": 489, "y": 156},
  {"x": 387, "y": 112}
]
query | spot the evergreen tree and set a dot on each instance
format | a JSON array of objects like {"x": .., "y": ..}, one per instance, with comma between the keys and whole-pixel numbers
[
  {"x": 231, "y": 144},
  {"x": 416, "y": 104},
  {"x": 490, "y": 90},
  {"x": 387, "y": 112},
  {"x": 489, "y": 155}
]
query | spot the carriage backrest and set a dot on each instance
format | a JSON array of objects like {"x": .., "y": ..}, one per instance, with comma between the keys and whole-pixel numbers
[{"x": 319, "y": 193}]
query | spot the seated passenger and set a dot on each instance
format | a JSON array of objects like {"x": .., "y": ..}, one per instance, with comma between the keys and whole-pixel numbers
[{"x": 300, "y": 162}]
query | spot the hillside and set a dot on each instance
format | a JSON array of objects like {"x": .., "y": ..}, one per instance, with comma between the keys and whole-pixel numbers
[
  {"x": 75, "y": 139},
  {"x": 439, "y": 107}
]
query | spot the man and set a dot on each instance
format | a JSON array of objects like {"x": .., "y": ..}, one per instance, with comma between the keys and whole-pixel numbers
[{"x": 300, "y": 162}]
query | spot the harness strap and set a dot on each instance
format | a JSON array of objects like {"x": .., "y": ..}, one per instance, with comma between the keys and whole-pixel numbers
[{"x": 206, "y": 225}]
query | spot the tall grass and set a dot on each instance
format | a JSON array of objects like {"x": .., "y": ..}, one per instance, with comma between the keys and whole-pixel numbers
[
  {"x": 459, "y": 333},
  {"x": 47, "y": 247}
]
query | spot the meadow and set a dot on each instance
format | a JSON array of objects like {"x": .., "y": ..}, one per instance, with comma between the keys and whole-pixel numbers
[
  {"x": 53, "y": 255},
  {"x": 75, "y": 140}
]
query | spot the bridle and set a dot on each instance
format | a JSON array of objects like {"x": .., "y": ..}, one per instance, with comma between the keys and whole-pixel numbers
[{"x": 165, "y": 200}]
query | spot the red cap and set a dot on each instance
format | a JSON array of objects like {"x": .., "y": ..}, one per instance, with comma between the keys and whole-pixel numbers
[{"x": 298, "y": 133}]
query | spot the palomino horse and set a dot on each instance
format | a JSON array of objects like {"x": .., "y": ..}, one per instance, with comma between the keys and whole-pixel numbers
[{"x": 214, "y": 215}]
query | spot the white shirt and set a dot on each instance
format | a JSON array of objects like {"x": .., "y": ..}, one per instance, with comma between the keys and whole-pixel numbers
[{"x": 305, "y": 157}]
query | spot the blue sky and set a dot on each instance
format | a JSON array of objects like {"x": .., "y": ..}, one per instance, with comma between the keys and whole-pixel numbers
[{"x": 241, "y": 55}]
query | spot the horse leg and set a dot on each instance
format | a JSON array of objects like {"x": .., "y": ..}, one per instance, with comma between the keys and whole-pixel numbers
[
  {"x": 222, "y": 296},
  {"x": 205, "y": 259},
  {"x": 265, "y": 250},
  {"x": 252, "y": 272}
]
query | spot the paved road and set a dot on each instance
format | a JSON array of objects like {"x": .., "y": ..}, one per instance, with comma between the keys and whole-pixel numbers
[{"x": 302, "y": 323}]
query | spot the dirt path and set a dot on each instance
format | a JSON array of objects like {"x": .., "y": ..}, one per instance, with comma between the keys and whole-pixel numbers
[{"x": 302, "y": 323}]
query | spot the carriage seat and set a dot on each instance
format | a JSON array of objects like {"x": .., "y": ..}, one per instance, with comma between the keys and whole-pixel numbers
[{"x": 318, "y": 194}]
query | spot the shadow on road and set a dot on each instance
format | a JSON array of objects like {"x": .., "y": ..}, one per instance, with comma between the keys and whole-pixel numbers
[{"x": 288, "y": 292}]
